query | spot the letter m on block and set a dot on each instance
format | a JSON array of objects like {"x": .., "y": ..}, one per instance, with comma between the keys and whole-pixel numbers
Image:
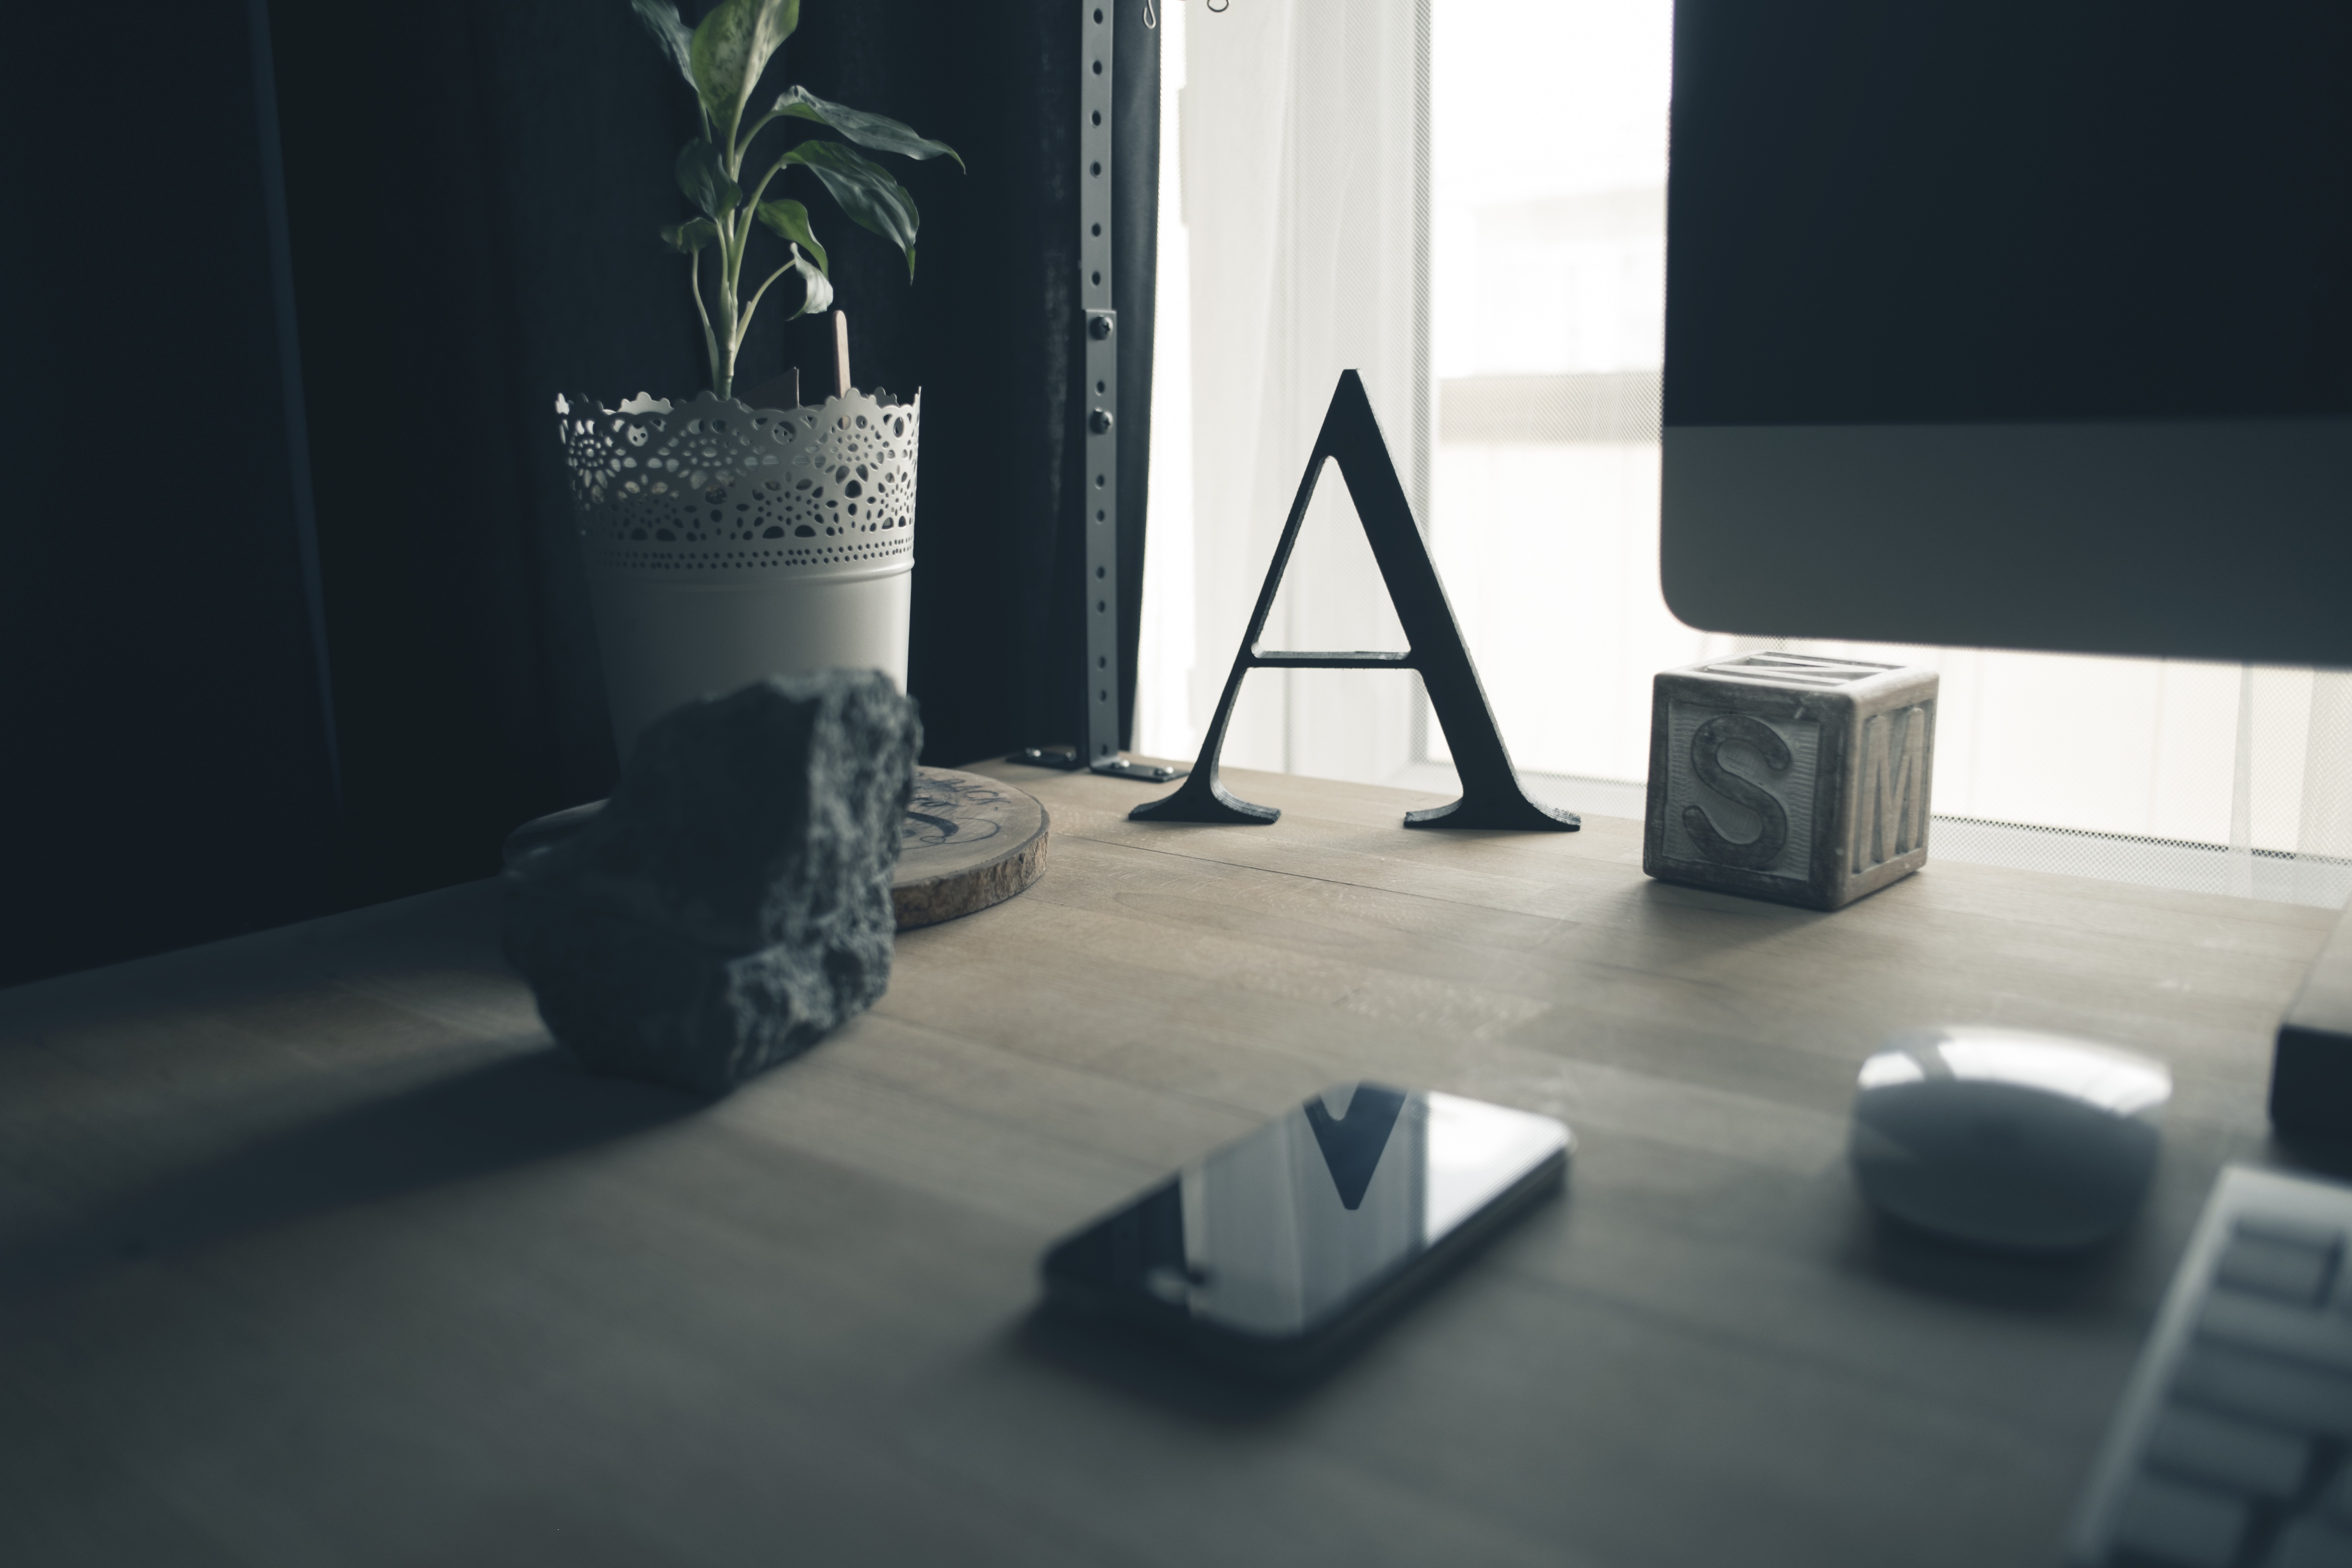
[{"x": 1890, "y": 814}]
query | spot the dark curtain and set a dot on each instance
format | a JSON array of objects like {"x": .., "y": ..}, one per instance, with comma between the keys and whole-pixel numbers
[
  {"x": 165, "y": 770},
  {"x": 471, "y": 191},
  {"x": 475, "y": 191},
  {"x": 992, "y": 331}
]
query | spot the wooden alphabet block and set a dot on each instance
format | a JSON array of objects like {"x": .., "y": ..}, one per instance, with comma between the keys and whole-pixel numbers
[{"x": 1790, "y": 777}]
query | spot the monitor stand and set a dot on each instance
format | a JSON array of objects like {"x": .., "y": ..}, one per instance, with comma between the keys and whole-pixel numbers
[{"x": 2311, "y": 1077}]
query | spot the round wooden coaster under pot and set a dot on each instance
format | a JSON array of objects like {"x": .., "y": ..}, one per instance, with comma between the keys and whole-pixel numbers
[{"x": 967, "y": 842}]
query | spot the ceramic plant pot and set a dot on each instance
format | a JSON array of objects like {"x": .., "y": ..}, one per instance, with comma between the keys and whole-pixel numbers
[{"x": 724, "y": 543}]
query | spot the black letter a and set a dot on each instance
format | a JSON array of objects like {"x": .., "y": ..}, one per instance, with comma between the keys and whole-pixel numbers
[{"x": 1491, "y": 796}]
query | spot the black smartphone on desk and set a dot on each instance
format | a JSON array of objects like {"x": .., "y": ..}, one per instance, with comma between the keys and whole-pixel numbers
[{"x": 1275, "y": 1253}]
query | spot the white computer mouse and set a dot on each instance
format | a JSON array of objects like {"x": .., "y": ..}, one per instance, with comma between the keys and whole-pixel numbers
[{"x": 2033, "y": 1143}]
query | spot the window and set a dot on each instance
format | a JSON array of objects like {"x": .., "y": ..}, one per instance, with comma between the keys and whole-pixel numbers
[{"x": 1465, "y": 200}]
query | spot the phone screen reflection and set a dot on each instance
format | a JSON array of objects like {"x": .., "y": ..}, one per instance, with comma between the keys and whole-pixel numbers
[{"x": 1273, "y": 1235}]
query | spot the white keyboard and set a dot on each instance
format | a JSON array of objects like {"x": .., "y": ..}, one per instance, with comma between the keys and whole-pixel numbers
[{"x": 2228, "y": 1448}]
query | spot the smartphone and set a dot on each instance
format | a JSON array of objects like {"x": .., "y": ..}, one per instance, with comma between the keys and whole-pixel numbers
[{"x": 1279, "y": 1252}]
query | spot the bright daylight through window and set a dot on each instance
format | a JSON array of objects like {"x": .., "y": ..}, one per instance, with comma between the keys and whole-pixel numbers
[{"x": 1466, "y": 200}]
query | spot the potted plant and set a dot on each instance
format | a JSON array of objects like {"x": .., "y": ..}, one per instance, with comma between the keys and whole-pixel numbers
[{"x": 726, "y": 540}]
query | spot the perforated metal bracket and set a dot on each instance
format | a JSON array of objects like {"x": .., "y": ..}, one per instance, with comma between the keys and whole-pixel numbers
[
  {"x": 1099, "y": 324},
  {"x": 1068, "y": 759}
]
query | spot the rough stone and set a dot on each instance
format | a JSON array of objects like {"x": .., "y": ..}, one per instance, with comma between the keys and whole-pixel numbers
[
  {"x": 731, "y": 904},
  {"x": 1791, "y": 777}
]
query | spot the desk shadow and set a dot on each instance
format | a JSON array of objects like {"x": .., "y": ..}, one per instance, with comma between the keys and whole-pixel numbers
[
  {"x": 1914, "y": 1259},
  {"x": 470, "y": 1124},
  {"x": 1158, "y": 1372},
  {"x": 1728, "y": 920}
]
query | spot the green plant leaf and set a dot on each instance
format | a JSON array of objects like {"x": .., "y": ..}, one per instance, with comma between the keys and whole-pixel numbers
[
  {"x": 878, "y": 131},
  {"x": 865, "y": 190},
  {"x": 818, "y": 294},
  {"x": 816, "y": 290},
  {"x": 790, "y": 220},
  {"x": 703, "y": 177},
  {"x": 730, "y": 48},
  {"x": 691, "y": 236},
  {"x": 670, "y": 31}
]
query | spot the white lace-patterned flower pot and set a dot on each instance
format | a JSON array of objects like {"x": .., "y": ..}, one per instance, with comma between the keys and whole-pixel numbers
[{"x": 725, "y": 544}]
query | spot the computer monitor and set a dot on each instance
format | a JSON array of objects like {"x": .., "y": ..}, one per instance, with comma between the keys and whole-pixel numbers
[{"x": 2012, "y": 324}]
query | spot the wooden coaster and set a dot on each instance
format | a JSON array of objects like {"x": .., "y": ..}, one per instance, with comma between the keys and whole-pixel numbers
[{"x": 968, "y": 842}]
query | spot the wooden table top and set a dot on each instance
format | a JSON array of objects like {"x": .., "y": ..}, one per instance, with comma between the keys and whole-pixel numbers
[{"x": 314, "y": 1251}]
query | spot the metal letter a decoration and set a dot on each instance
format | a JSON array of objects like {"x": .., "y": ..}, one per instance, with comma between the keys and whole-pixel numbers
[{"x": 1491, "y": 796}]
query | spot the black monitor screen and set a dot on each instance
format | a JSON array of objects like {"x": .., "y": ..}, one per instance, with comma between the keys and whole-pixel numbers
[{"x": 2130, "y": 223}]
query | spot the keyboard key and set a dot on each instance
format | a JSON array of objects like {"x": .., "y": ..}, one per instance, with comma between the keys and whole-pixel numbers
[
  {"x": 2310, "y": 1543},
  {"x": 2268, "y": 1265},
  {"x": 2180, "y": 1524},
  {"x": 2285, "y": 1394},
  {"x": 2225, "y": 1451},
  {"x": 2240, "y": 1404},
  {"x": 2293, "y": 1232},
  {"x": 2252, "y": 1322}
]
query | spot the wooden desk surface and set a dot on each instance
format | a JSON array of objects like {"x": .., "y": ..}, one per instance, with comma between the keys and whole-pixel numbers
[{"x": 313, "y": 1252}]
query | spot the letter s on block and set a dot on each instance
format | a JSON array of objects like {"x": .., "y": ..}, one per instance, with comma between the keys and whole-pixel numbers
[{"x": 1705, "y": 756}]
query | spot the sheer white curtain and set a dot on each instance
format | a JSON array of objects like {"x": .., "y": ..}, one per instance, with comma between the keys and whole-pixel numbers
[
  {"x": 1300, "y": 204},
  {"x": 1464, "y": 199}
]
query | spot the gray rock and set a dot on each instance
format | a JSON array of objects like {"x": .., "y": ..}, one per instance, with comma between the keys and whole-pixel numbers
[{"x": 731, "y": 904}]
